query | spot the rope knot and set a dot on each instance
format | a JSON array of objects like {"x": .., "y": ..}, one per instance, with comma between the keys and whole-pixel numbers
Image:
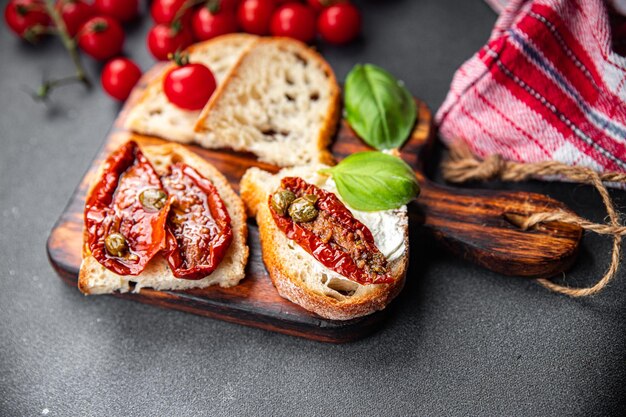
[
  {"x": 462, "y": 166},
  {"x": 491, "y": 167}
]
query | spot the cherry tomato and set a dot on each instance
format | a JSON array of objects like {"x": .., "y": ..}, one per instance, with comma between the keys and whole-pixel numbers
[
  {"x": 164, "y": 11},
  {"x": 319, "y": 5},
  {"x": 189, "y": 86},
  {"x": 101, "y": 37},
  {"x": 119, "y": 76},
  {"x": 74, "y": 13},
  {"x": 254, "y": 15},
  {"x": 122, "y": 10},
  {"x": 224, "y": 5},
  {"x": 340, "y": 23},
  {"x": 22, "y": 15},
  {"x": 294, "y": 20},
  {"x": 207, "y": 25},
  {"x": 164, "y": 40}
]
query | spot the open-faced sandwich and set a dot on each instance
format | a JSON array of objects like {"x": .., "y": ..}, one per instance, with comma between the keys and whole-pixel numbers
[
  {"x": 338, "y": 262},
  {"x": 160, "y": 216}
]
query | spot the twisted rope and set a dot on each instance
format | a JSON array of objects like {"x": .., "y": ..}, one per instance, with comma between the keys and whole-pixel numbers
[{"x": 462, "y": 166}]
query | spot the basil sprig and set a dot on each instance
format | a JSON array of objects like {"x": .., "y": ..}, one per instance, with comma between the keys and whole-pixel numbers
[
  {"x": 378, "y": 107},
  {"x": 373, "y": 181}
]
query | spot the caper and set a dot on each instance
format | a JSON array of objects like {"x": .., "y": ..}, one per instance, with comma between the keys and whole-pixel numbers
[
  {"x": 302, "y": 210},
  {"x": 153, "y": 198},
  {"x": 115, "y": 244},
  {"x": 310, "y": 197},
  {"x": 281, "y": 201}
]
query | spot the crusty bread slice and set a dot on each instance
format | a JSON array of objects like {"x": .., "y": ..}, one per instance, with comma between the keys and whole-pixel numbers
[
  {"x": 155, "y": 115},
  {"x": 96, "y": 279},
  {"x": 281, "y": 102},
  {"x": 299, "y": 277}
]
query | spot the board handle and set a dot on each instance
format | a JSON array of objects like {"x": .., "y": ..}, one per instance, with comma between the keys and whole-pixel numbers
[{"x": 481, "y": 225}]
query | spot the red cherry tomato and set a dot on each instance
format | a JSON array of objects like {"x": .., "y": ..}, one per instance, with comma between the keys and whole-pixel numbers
[
  {"x": 294, "y": 20},
  {"x": 189, "y": 86},
  {"x": 228, "y": 5},
  {"x": 340, "y": 23},
  {"x": 74, "y": 13},
  {"x": 22, "y": 15},
  {"x": 122, "y": 10},
  {"x": 206, "y": 25},
  {"x": 254, "y": 15},
  {"x": 164, "y": 40},
  {"x": 101, "y": 37},
  {"x": 164, "y": 11},
  {"x": 320, "y": 5},
  {"x": 317, "y": 5},
  {"x": 119, "y": 76}
]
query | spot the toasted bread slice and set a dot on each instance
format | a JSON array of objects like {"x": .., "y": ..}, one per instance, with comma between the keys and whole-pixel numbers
[
  {"x": 96, "y": 279},
  {"x": 154, "y": 115},
  {"x": 281, "y": 102},
  {"x": 299, "y": 277}
]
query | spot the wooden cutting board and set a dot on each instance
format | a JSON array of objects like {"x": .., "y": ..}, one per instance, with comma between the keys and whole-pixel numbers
[{"x": 471, "y": 223}]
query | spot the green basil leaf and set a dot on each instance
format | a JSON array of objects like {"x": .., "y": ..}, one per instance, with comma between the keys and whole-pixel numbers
[
  {"x": 379, "y": 109},
  {"x": 373, "y": 181}
]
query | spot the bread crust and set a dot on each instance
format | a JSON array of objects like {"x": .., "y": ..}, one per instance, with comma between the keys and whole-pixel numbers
[
  {"x": 292, "y": 289},
  {"x": 238, "y": 251}
]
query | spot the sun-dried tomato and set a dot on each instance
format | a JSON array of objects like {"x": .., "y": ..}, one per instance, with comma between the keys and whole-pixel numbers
[
  {"x": 123, "y": 234},
  {"x": 199, "y": 230},
  {"x": 335, "y": 237}
]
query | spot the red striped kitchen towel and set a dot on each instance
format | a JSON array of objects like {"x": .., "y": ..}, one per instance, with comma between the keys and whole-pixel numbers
[{"x": 547, "y": 86}]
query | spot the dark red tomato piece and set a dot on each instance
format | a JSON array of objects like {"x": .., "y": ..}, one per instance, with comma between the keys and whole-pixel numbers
[
  {"x": 74, "y": 13},
  {"x": 22, "y": 15},
  {"x": 294, "y": 20},
  {"x": 165, "y": 39},
  {"x": 254, "y": 16},
  {"x": 334, "y": 237},
  {"x": 101, "y": 37},
  {"x": 119, "y": 76},
  {"x": 122, "y": 10},
  {"x": 207, "y": 25},
  {"x": 126, "y": 213},
  {"x": 340, "y": 23},
  {"x": 189, "y": 86},
  {"x": 199, "y": 230},
  {"x": 164, "y": 11}
]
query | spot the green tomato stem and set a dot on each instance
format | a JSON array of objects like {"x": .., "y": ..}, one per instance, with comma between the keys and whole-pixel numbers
[
  {"x": 68, "y": 43},
  {"x": 44, "y": 90},
  {"x": 176, "y": 22}
]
